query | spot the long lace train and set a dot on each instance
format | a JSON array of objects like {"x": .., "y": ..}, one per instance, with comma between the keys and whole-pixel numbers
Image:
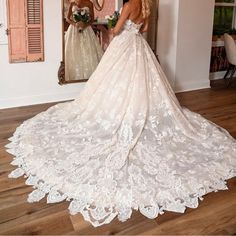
[{"x": 124, "y": 144}]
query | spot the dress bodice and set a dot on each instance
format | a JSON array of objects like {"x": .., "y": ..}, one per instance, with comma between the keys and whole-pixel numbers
[
  {"x": 131, "y": 26},
  {"x": 76, "y": 8}
]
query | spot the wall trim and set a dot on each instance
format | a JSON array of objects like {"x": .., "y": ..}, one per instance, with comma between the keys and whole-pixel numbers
[
  {"x": 193, "y": 85},
  {"x": 59, "y": 97}
]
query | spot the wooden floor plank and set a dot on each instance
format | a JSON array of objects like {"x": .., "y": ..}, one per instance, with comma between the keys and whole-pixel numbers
[
  {"x": 57, "y": 223},
  {"x": 216, "y": 214}
]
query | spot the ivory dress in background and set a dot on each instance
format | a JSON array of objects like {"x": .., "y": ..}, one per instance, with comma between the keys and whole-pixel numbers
[
  {"x": 124, "y": 144},
  {"x": 82, "y": 52}
]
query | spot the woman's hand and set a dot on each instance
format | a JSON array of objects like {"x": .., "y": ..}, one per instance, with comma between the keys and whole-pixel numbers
[
  {"x": 70, "y": 21},
  {"x": 113, "y": 32},
  {"x": 80, "y": 25}
]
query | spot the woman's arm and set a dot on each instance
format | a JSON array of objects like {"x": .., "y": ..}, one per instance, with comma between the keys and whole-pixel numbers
[
  {"x": 144, "y": 28},
  {"x": 123, "y": 17},
  {"x": 69, "y": 14}
]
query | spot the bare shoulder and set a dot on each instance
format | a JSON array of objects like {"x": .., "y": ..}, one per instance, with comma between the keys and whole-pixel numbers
[{"x": 126, "y": 7}]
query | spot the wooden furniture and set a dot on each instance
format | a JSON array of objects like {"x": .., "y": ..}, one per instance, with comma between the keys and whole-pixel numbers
[{"x": 230, "y": 48}]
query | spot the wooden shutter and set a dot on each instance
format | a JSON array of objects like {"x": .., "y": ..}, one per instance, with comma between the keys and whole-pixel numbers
[
  {"x": 16, "y": 30},
  {"x": 25, "y": 35},
  {"x": 34, "y": 30}
]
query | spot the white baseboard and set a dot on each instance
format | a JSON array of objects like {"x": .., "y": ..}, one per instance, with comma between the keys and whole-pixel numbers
[
  {"x": 191, "y": 86},
  {"x": 47, "y": 98},
  {"x": 39, "y": 99}
]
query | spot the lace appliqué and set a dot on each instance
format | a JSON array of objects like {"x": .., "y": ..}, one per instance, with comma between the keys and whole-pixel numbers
[{"x": 125, "y": 144}]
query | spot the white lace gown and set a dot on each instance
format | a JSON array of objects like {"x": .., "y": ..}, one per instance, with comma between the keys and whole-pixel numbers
[
  {"x": 124, "y": 144},
  {"x": 82, "y": 51}
]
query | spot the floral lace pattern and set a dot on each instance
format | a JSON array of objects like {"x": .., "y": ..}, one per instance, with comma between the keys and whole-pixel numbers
[{"x": 124, "y": 144}]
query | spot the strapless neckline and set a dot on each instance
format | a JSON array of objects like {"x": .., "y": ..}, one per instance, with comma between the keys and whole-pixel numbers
[
  {"x": 76, "y": 7},
  {"x": 132, "y": 26},
  {"x": 137, "y": 24}
]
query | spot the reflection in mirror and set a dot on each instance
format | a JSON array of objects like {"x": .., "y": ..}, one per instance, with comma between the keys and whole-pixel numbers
[
  {"x": 84, "y": 43},
  {"x": 98, "y": 4},
  {"x": 82, "y": 50}
]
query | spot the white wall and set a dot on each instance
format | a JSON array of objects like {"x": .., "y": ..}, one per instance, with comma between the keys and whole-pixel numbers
[
  {"x": 33, "y": 83},
  {"x": 119, "y": 4},
  {"x": 167, "y": 37},
  {"x": 194, "y": 44},
  {"x": 189, "y": 25},
  {"x": 3, "y": 22}
]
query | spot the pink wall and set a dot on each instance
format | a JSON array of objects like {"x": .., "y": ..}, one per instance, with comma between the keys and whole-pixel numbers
[{"x": 108, "y": 9}]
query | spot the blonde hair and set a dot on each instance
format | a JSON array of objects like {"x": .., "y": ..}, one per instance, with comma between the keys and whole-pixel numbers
[{"x": 146, "y": 8}]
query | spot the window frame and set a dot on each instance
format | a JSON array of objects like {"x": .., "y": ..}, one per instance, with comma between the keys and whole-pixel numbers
[{"x": 226, "y": 4}]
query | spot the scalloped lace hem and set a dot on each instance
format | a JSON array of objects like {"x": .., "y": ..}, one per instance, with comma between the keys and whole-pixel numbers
[{"x": 101, "y": 214}]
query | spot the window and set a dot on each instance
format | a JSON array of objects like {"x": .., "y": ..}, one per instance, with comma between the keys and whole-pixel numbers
[
  {"x": 224, "y": 17},
  {"x": 25, "y": 30},
  {"x": 224, "y": 22}
]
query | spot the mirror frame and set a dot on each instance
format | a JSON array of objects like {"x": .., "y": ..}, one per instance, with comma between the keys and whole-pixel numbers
[
  {"x": 61, "y": 70},
  {"x": 98, "y": 5}
]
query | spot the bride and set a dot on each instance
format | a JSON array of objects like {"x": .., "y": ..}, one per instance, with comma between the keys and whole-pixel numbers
[
  {"x": 125, "y": 143},
  {"x": 82, "y": 49}
]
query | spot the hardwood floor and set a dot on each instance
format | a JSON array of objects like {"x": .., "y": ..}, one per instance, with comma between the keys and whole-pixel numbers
[{"x": 216, "y": 214}]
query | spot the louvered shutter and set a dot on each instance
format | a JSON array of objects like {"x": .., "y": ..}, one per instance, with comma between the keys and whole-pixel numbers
[
  {"x": 25, "y": 35},
  {"x": 16, "y": 30},
  {"x": 34, "y": 30}
]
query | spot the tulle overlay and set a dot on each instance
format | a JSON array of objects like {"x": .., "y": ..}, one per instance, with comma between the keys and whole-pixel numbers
[
  {"x": 124, "y": 144},
  {"x": 82, "y": 53}
]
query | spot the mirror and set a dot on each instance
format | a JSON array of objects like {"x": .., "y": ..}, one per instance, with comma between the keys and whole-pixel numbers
[
  {"x": 82, "y": 48},
  {"x": 98, "y": 4}
]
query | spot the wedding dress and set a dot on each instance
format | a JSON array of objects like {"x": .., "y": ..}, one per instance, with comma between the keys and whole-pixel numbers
[
  {"x": 82, "y": 51},
  {"x": 124, "y": 144}
]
